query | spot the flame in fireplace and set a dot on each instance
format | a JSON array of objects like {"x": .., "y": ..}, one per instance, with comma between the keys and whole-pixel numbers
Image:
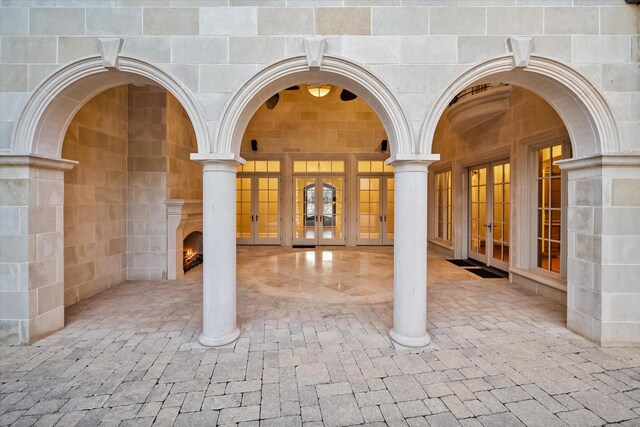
[{"x": 190, "y": 254}]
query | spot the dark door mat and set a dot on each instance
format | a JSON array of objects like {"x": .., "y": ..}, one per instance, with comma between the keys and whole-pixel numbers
[
  {"x": 461, "y": 262},
  {"x": 485, "y": 273}
]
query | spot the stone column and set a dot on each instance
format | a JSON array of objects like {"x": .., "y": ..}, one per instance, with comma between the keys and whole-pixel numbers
[
  {"x": 219, "y": 235},
  {"x": 603, "y": 256},
  {"x": 410, "y": 254},
  {"x": 31, "y": 247},
  {"x": 175, "y": 222}
]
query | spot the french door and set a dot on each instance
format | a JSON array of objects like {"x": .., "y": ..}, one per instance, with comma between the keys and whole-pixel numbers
[
  {"x": 490, "y": 213},
  {"x": 258, "y": 210},
  {"x": 375, "y": 210},
  {"x": 318, "y": 210}
]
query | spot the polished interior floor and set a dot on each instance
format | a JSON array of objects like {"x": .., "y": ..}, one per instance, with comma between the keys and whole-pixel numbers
[{"x": 314, "y": 349}]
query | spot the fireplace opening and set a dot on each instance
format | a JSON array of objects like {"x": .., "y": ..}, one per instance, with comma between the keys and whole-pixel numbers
[{"x": 192, "y": 251}]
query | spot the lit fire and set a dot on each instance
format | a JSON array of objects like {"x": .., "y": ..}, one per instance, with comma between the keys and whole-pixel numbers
[{"x": 190, "y": 254}]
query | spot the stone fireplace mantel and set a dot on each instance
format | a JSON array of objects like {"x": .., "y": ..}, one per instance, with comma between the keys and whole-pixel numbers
[{"x": 184, "y": 216}]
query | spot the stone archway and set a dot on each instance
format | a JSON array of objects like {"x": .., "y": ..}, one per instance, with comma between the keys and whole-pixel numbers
[
  {"x": 219, "y": 167},
  {"x": 34, "y": 164},
  {"x": 44, "y": 120},
  {"x": 332, "y": 70},
  {"x": 595, "y": 307},
  {"x": 589, "y": 120}
]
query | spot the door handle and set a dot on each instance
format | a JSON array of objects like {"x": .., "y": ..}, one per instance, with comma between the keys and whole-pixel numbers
[
  {"x": 489, "y": 226},
  {"x": 251, "y": 218},
  {"x": 385, "y": 218},
  {"x": 380, "y": 218}
]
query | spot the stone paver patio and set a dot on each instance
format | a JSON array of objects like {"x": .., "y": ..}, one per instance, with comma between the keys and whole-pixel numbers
[{"x": 499, "y": 357}]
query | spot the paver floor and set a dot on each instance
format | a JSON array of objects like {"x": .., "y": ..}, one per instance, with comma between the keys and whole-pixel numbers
[{"x": 314, "y": 350}]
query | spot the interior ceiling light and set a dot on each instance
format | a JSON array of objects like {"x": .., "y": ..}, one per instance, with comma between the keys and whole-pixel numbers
[{"x": 319, "y": 90}]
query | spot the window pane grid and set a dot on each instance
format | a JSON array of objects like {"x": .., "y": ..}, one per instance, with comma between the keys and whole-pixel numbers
[
  {"x": 374, "y": 166},
  {"x": 323, "y": 166},
  {"x": 549, "y": 209},
  {"x": 260, "y": 166},
  {"x": 443, "y": 202}
]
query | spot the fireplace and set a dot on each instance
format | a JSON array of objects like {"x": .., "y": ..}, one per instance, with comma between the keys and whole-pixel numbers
[{"x": 192, "y": 251}]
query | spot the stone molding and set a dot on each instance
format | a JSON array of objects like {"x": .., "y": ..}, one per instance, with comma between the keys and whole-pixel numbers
[
  {"x": 46, "y": 116},
  {"x": 520, "y": 48},
  {"x": 294, "y": 70},
  {"x": 603, "y": 160},
  {"x": 314, "y": 48},
  {"x": 582, "y": 108},
  {"x": 37, "y": 162},
  {"x": 110, "y": 50}
]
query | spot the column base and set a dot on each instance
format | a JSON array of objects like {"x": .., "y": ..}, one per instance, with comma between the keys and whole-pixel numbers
[
  {"x": 219, "y": 341},
  {"x": 400, "y": 341}
]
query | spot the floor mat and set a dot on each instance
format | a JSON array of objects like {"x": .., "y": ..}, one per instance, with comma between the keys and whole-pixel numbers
[
  {"x": 461, "y": 262},
  {"x": 484, "y": 273}
]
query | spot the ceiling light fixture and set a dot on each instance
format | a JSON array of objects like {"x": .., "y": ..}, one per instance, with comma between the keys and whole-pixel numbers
[{"x": 319, "y": 90}]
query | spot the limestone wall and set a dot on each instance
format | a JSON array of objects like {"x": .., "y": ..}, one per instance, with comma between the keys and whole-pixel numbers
[
  {"x": 184, "y": 176},
  {"x": 302, "y": 123},
  {"x": 147, "y": 177},
  {"x": 95, "y": 196}
]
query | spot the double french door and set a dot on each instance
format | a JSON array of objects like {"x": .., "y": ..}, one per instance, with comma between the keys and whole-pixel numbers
[
  {"x": 258, "y": 209},
  {"x": 318, "y": 210},
  {"x": 375, "y": 210},
  {"x": 489, "y": 213}
]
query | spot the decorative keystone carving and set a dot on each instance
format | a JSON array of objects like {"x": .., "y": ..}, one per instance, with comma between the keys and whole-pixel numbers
[
  {"x": 520, "y": 48},
  {"x": 110, "y": 51},
  {"x": 314, "y": 48}
]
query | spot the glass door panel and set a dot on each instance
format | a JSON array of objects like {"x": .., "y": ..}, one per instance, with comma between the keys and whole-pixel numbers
[
  {"x": 501, "y": 215},
  {"x": 268, "y": 212},
  {"x": 375, "y": 209},
  {"x": 389, "y": 214},
  {"x": 244, "y": 214},
  {"x": 305, "y": 211},
  {"x": 478, "y": 213},
  {"x": 257, "y": 210},
  {"x": 370, "y": 216},
  {"x": 490, "y": 213},
  {"x": 330, "y": 209}
]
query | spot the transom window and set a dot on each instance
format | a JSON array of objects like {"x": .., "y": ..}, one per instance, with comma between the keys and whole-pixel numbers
[
  {"x": 374, "y": 166},
  {"x": 325, "y": 166},
  {"x": 260, "y": 166}
]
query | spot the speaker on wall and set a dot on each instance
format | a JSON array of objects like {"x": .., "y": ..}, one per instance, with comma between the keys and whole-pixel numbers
[{"x": 254, "y": 145}]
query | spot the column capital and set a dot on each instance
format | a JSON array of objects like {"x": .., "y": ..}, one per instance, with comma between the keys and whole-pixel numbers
[
  {"x": 412, "y": 162},
  {"x": 218, "y": 162}
]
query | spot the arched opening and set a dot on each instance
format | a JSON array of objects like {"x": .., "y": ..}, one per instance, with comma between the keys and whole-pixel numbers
[
  {"x": 132, "y": 145},
  {"x": 409, "y": 169},
  {"x": 315, "y": 182},
  {"x": 130, "y": 132},
  {"x": 562, "y": 116}
]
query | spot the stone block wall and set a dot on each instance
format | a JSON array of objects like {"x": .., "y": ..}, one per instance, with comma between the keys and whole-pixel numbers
[
  {"x": 31, "y": 250},
  {"x": 95, "y": 196},
  {"x": 603, "y": 301},
  {"x": 146, "y": 184},
  {"x": 184, "y": 176},
  {"x": 302, "y": 123}
]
